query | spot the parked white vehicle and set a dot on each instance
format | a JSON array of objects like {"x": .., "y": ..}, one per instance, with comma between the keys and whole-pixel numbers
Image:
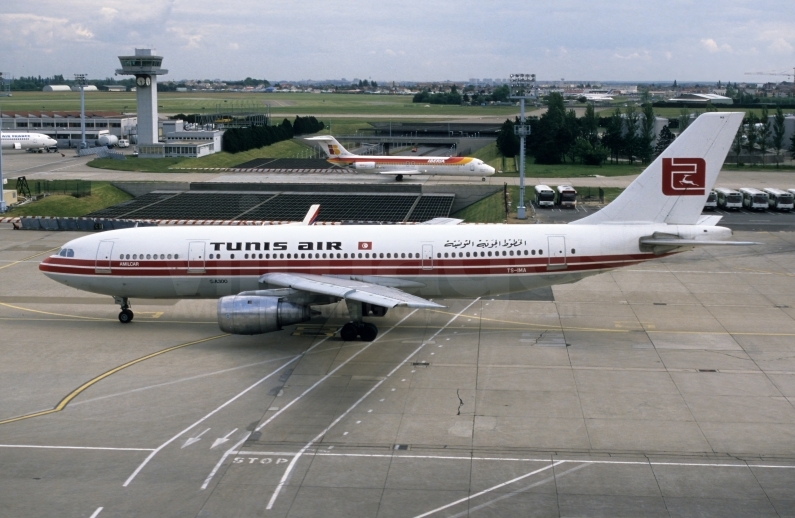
[
  {"x": 545, "y": 197},
  {"x": 754, "y": 199},
  {"x": 729, "y": 198},
  {"x": 780, "y": 200}
]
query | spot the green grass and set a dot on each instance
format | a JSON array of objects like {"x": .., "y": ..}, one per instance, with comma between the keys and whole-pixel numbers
[
  {"x": 574, "y": 170},
  {"x": 284, "y": 149},
  {"x": 103, "y": 194},
  {"x": 770, "y": 168},
  {"x": 149, "y": 165},
  {"x": 282, "y": 105},
  {"x": 487, "y": 210}
]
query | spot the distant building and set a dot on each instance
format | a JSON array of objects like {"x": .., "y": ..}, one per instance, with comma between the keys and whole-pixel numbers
[
  {"x": 190, "y": 140},
  {"x": 65, "y": 126},
  {"x": 56, "y": 88},
  {"x": 698, "y": 99},
  {"x": 114, "y": 88}
]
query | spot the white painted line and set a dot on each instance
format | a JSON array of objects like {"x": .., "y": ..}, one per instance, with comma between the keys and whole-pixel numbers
[
  {"x": 237, "y": 445},
  {"x": 192, "y": 440},
  {"x": 199, "y": 376},
  {"x": 498, "y": 486},
  {"x": 96, "y": 513},
  {"x": 186, "y": 430},
  {"x": 319, "y": 436},
  {"x": 72, "y": 447},
  {"x": 517, "y": 459},
  {"x": 522, "y": 490}
]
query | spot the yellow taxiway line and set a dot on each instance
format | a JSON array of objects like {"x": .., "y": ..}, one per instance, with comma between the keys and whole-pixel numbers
[
  {"x": 29, "y": 257},
  {"x": 76, "y": 392}
]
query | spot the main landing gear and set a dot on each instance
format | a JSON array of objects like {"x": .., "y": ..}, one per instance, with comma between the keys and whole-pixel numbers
[
  {"x": 126, "y": 315},
  {"x": 365, "y": 330},
  {"x": 399, "y": 178}
]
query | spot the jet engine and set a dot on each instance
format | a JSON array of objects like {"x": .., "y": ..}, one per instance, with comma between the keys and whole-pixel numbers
[
  {"x": 253, "y": 315},
  {"x": 364, "y": 165},
  {"x": 107, "y": 140}
]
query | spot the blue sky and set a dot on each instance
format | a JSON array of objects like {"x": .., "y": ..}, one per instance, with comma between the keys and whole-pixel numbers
[{"x": 405, "y": 40}]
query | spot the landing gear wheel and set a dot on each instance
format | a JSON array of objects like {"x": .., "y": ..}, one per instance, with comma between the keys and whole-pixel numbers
[
  {"x": 399, "y": 178},
  {"x": 368, "y": 332},
  {"x": 126, "y": 316},
  {"x": 483, "y": 179},
  {"x": 349, "y": 332}
]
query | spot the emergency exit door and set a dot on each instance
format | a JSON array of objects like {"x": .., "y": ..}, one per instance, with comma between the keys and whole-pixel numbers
[
  {"x": 104, "y": 255},
  {"x": 557, "y": 253}
]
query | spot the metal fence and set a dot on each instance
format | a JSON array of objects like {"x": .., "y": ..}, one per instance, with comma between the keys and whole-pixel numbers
[{"x": 76, "y": 188}]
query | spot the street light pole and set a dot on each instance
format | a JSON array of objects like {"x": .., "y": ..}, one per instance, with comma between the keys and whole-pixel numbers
[
  {"x": 522, "y": 87},
  {"x": 2, "y": 186},
  {"x": 80, "y": 80}
]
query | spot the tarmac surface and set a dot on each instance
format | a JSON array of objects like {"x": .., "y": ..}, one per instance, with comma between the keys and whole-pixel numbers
[
  {"x": 663, "y": 389},
  {"x": 53, "y": 166}
]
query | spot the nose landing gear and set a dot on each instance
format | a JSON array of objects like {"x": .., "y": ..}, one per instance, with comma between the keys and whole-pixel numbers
[
  {"x": 126, "y": 315},
  {"x": 399, "y": 178}
]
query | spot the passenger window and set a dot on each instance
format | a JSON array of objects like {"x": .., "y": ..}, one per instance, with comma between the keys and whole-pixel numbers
[
  {"x": 540, "y": 252},
  {"x": 532, "y": 252},
  {"x": 402, "y": 256},
  {"x": 169, "y": 256},
  {"x": 445, "y": 255},
  {"x": 572, "y": 250},
  {"x": 162, "y": 256},
  {"x": 510, "y": 253},
  {"x": 345, "y": 256},
  {"x": 232, "y": 256},
  {"x": 121, "y": 256},
  {"x": 382, "y": 256},
  {"x": 176, "y": 256},
  {"x": 148, "y": 256},
  {"x": 489, "y": 254},
  {"x": 467, "y": 254}
]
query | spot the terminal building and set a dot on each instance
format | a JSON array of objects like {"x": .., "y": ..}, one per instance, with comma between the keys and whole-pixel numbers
[
  {"x": 65, "y": 126},
  {"x": 190, "y": 140}
]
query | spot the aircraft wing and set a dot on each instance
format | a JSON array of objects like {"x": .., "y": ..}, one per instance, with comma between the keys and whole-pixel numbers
[
  {"x": 405, "y": 173},
  {"x": 349, "y": 289}
]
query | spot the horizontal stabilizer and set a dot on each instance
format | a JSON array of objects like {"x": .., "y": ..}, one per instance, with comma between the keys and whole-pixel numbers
[
  {"x": 709, "y": 221},
  {"x": 442, "y": 221}
]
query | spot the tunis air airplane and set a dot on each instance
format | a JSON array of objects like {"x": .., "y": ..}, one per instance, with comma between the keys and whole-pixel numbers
[
  {"x": 400, "y": 166},
  {"x": 267, "y": 277},
  {"x": 19, "y": 140}
]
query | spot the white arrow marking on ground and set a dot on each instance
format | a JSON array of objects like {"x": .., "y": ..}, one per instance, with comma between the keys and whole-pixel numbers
[
  {"x": 222, "y": 439},
  {"x": 192, "y": 440}
]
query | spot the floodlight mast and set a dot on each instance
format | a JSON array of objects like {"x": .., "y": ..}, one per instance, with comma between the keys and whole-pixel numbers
[
  {"x": 80, "y": 81},
  {"x": 522, "y": 87},
  {"x": 2, "y": 194}
]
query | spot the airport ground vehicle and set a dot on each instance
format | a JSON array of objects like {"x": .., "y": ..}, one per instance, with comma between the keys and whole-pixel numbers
[
  {"x": 712, "y": 201},
  {"x": 544, "y": 196},
  {"x": 754, "y": 199},
  {"x": 780, "y": 200},
  {"x": 265, "y": 278},
  {"x": 729, "y": 199},
  {"x": 123, "y": 143},
  {"x": 566, "y": 196}
]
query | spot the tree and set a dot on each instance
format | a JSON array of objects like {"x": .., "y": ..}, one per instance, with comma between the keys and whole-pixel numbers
[
  {"x": 778, "y": 132},
  {"x": 792, "y": 145},
  {"x": 554, "y": 133},
  {"x": 710, "y": 107},
  {"x": 631, "y": 140},
  {"x": 737, "y": 146},
  {"x": 501, "y": 94},
  {"x": 764, "y": 133},
  {"x": 751, "y": 134},
  {"x": 590, "y": 125},
  {"x": 663, "y": 140},
  {"x": 507, "y": 141},
  {"x": 646, "y": 134},
  {"x": 645, "y": 96},
  {"x": 613, "y": 138},
  {"x": 684, "y": 119}
]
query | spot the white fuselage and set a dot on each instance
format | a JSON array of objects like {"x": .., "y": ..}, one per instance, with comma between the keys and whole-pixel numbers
[
  {"x": 442, "y": 166},
  {"x": 19, "y": 140},
  {"x": 447, "y": 261}
]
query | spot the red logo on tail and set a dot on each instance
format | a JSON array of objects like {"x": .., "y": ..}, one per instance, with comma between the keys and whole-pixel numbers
[{"x": 684, "y": 176}]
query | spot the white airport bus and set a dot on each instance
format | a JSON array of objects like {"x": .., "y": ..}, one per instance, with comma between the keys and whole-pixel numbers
[
  {"x": 780, "y": 200},
  {"x": 566, "y": 196},
  {"x": 729, "y": 198},
  {"x": 545, "y": 197},
  {"x": 754, "y": 199},
  {"x": 712, "y": 201}
]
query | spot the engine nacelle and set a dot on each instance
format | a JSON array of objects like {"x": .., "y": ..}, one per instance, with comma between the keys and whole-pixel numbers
[
  {"x": 253, "y": 315},
  {"x": 364, "y": 165},
  {"x": 107, "y": 140}
]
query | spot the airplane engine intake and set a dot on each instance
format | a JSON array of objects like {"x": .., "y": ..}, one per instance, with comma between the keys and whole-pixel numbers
[{"x": 253, "y": 315}]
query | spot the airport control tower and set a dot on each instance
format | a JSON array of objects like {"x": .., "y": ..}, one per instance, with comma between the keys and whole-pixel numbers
[{"x": 145, "y": 66}]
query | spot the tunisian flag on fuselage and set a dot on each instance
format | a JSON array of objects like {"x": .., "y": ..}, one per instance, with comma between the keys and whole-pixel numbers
[{"x": 365, "y": 245}]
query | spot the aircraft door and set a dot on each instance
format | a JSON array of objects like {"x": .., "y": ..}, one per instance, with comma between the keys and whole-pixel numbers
[
  {"x": 427, "y": 257},
  {"x": 104, "y": 255},
  {"x": 196, "y": 257},
  {"x": 557, "y": 252}
]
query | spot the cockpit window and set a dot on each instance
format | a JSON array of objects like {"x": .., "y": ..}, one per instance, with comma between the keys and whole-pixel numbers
[{"x": 66, "y": 252}]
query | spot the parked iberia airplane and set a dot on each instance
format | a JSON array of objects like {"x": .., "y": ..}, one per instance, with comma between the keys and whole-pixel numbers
[
  {"x": 400, "y": 166},
  {"x": 267, "y": 277}
]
